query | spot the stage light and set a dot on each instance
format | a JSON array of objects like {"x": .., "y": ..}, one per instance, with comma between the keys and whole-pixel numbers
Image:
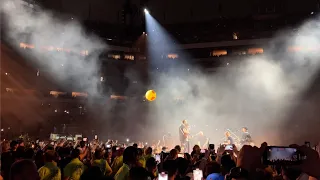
[{"x": 146, "y": 11}]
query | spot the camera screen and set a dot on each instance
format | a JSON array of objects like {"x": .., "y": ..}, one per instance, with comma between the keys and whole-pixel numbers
[
  {"x": 281, "y": 154},
  {"x": 158, "y": 158},
  {"x": 229, "y": 147},
  {"x": 180, "y": 155},
  {"x": 163, "y": 176}
]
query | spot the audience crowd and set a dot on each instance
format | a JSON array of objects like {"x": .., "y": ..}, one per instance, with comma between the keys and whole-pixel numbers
[{"x": 80, "y": 161}]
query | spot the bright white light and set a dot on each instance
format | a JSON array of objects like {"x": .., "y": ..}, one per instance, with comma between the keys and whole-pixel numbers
[
  {"x": 2, "y": 130},
  {"x": 128, "y": 140},
  {"x": 146, "y": 11}
]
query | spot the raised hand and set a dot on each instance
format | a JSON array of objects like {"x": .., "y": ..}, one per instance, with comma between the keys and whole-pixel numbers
[{"x": 310, "y": 165}]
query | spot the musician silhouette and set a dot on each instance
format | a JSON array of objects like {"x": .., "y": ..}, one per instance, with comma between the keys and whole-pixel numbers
[
  {"x": 229, "y": 140},
  {"x": 184, "y": 132},
  {"x": 246, "y": 137}
]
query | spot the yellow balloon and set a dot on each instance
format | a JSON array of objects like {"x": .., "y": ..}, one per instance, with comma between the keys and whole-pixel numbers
[{"x": 151, "y": 95}]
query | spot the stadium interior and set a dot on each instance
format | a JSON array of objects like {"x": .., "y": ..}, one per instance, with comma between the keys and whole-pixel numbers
[{"x": 33, "y": 101}]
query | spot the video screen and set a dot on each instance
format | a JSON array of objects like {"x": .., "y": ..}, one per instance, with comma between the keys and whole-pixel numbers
[{"x": 279, "y": 154}]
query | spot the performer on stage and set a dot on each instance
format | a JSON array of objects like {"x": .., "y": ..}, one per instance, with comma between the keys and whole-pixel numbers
[
  {"x": 202, "y": 140},
  {"x": 184, "y": 132},
  {"x": 246, "y": 137},
  {"x": 229, "y": 140}
]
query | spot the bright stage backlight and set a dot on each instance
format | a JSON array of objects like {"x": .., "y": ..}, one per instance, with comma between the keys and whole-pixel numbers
[{"x": 146, "y": 11}]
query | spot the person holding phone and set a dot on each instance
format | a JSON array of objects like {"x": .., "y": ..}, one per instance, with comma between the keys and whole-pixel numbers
[{"x": 249, "y": 159}]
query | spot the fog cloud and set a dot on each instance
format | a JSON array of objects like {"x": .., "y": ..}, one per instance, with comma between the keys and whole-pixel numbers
[{"x": 258, "y": 92}]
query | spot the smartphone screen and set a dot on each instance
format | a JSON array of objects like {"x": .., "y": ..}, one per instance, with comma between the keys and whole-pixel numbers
[
  {"x": 84, "y": 139},
  {"x": 158, "y": 158},
  {"x": 95, "y": 137},
  {"x": 197, "y": 174},
  {"x": 37, "y": 141},
  {"x": 181, "y": 155},
  {"x": 202, "y": 151},
  {"x": 228, "y": 148},
  {"x": 163, "y": 176},
  {"x": 281, "y": 155}
]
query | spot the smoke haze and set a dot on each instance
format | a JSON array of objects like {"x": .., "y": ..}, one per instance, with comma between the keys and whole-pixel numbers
[{"x": 260, "y": 92}]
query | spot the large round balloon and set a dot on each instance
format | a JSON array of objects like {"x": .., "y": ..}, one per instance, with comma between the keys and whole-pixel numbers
[{"x": 151, "y": 95}]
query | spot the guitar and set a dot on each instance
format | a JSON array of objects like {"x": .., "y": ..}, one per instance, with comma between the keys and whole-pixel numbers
[
  {"x": 185, "y": 132},
  {"x": 188, "y": 136}
]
